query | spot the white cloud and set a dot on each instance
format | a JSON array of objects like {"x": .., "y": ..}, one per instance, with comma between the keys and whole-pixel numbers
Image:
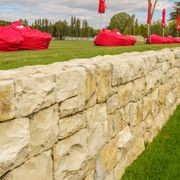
[{"x": 64, "y": 9}]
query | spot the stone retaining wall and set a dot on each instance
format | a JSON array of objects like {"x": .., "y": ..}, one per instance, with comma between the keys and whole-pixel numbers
[{"x": 84, "y": 119}]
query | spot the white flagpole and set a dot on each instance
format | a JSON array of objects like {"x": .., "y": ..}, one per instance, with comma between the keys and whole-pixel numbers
[{"x": 100, "y": 20}]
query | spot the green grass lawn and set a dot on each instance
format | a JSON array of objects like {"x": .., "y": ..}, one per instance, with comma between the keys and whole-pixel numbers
[
  {"x": 66, "y": 50},
  {"x": 161, "y": 159}
]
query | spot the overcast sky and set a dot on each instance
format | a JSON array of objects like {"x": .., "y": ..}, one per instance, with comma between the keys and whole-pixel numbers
[{"x": 54, "y": 10}]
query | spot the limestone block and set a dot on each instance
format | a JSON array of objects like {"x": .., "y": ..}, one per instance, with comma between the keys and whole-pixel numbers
[
  {"x": 147, "y": 104},
  {"x": 109, "y": 156},
  {"x": 44, "y": 130},
  {"x": 7, "y": 100},
  {"x": 125, "y": 137},
  {"x": 112, "y": 104},
  {"x": 70, "y": 125},
  {"x": 177, "y": 54},
  {"x": 116, "y": 122},
  {"x": 37, "y": 168},
  {"x": 165, "y": 55},
  {"x": 139, "y": 87},
  {"x": 97, "y": 123},
  {"x": 71, "y": 106},
  {"x": 131, "y": 113},
  {"x": 163, "y": 91},
  {"x": 160, "y": 120},
  {"x": 137, "y": 64},
  {"x": 150, "y": 61},
  {"x": 152, "y": 79},
  {"x": 121, "y": 70},
  {"x": 125, "y": 93},
  {"x": 138, "y": 130},
  {"x": 135, "y": 151},
  {"x": 14, "y": 143},
  {"x": 90, "y": 176},
  {"x": 87, "y": 171},
  {"x": 170, "y": 99},
  {"x": 34, "y": 93},
  {"x": 69, "y": 83},
  {"x": 90, "y": 90},
  {"x": 70, "y": 154},
  {"x": 104, "y": 72}
]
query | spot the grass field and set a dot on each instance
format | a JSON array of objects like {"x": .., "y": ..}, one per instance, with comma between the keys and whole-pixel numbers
[
  {"x": 161, "y": 159},
  {"x": 66, "y": 50}
]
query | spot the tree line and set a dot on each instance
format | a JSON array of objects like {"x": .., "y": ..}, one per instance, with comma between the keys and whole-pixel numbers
[
  {"x": 125, "y": 23},
  {"x": 61, "y": 28}
]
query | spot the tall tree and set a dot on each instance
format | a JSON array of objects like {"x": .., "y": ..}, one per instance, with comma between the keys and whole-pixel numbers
[
  {"x": 123, "y": 22},
  {"x": 175, "y": 12}
]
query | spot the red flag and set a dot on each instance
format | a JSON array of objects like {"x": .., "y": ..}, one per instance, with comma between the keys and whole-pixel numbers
[
  {"x": 102, "y": 6},
  {"x": 163, "y": 22},
  {"x": 149, "y": 12},
  {"x": 178, "y": 23}
]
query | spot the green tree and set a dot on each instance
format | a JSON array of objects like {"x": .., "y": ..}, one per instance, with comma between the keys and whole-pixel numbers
[
  {"x": 175, "y": 12},
  {"x": 123, "y": 22}
]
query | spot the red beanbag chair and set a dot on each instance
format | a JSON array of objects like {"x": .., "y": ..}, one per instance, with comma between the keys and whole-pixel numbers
[
  {"x": 174, "y": 39},
  {"x": 156, "y": 39},
  {"x": 33, "y": 39},
  {"x": 113, "y": 38},
  {"x": 10, "y": 40}
]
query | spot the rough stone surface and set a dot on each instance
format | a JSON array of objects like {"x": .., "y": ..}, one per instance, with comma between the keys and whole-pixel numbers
[
  {"x": 37, "y": 168},
  {"x": 7, "y": 100},
  {"x": 70, "y": 154},
  {"x": 70, "y": 125},
  {"x": 98, "y": 125},
  {"x": 14, "y": 143},
  {"x": 86, "y": 119},
  {"x": 44, "y": 130},
  {"x": 34, "y": 93}
]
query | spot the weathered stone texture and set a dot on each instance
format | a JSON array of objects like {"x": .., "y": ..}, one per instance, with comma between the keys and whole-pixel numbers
[
  {"x": 37, "y": 168},
  {"x": 34, "y": 93},
  {"x": 86, "y": 119},
  {"x": 14, "y": 144},
  {"x": 44, "y": 130},
  {"x": 7, "y": 100}
]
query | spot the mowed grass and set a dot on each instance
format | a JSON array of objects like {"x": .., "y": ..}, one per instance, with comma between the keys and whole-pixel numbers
[
  {"x": 67, "y": 50},
  {"x": 161, "y": 159}
]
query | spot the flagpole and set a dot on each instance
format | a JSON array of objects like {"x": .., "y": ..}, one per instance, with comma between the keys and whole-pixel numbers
[
  {"x": 100, "y": 20},
  {"x": 163, "y": 32}
]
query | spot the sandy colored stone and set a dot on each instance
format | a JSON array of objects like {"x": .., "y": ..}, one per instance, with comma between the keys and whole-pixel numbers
[
  {"x": 70, "y": 154},
  {"x": 71, "y": 106},
  {"x": 125, "y": 94},
  {"x": 7, "y": 100},
  {"x": 69, "y": 83},
  {"x": 104, "y": 71},
  {"x": 124, "y": 138},
  {"x": 14, "y": 143},
  {"x": 34, "y": 93},
  {"x": 37, "y": 168},
  {"x": 109, "y": 156},
  {"x": 70, "y": 125},
  {"x": 138, "y": 89},
  {"x": 112, "y": 104},
  {"x": 44, "y": 130},
  {"x": 97, "y": 123},
  {"x": 131, "y": 111},
  {"x": 116, "y": 122}
]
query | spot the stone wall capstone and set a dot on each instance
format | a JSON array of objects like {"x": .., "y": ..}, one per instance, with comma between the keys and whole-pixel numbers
[{"x": 85, "y": 119}]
